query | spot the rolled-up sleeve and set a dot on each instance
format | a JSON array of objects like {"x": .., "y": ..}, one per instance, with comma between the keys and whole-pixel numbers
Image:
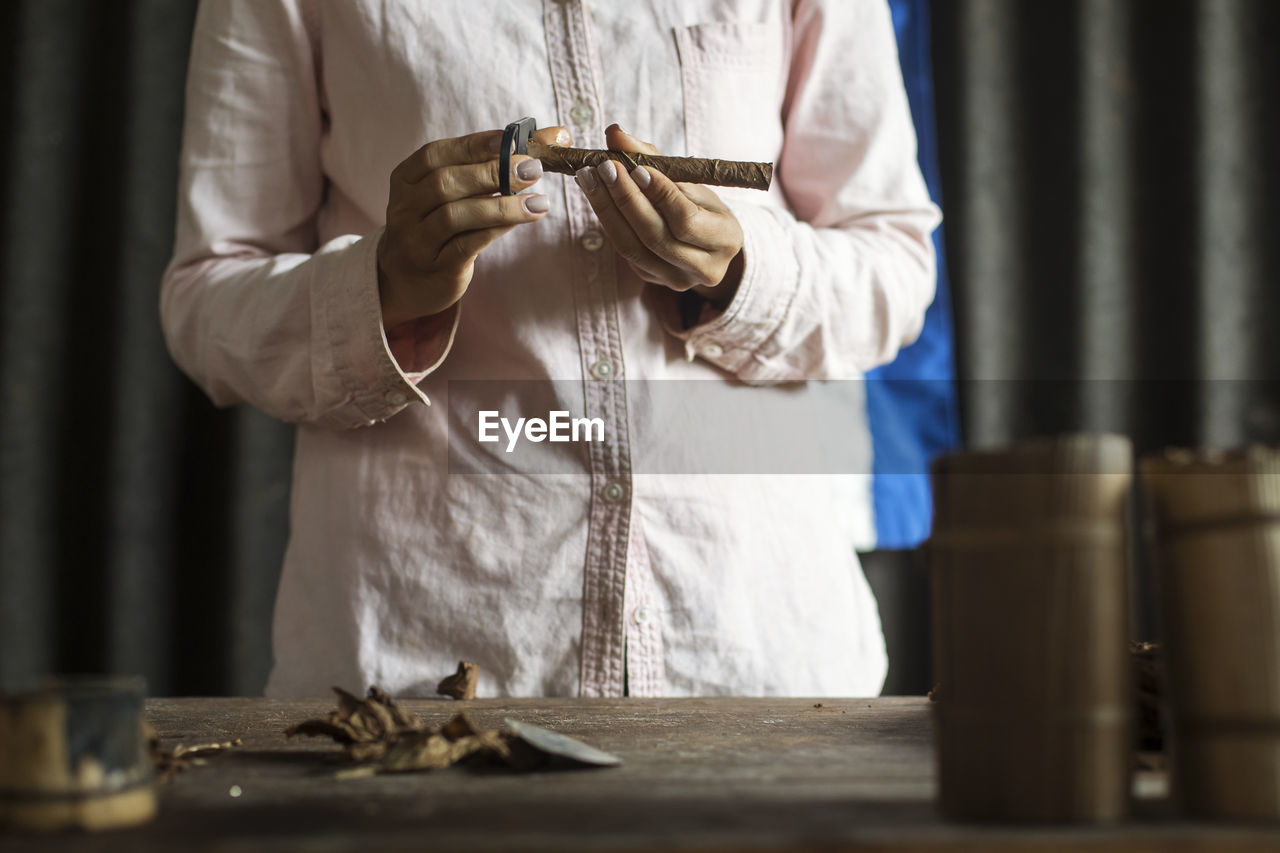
[
  {"x": 837, "y": 283},
  {"x": 253, "y": 309}
]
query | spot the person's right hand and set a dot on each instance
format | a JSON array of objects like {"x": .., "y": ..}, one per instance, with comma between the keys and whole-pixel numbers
[{"x": 442, "y": 212}]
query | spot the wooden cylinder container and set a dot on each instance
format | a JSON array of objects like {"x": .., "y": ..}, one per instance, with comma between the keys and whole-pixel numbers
[
  {"x": 1217, "y": 542},
  {"x": 1034, "y": 694},
  {"x": 73, "y": 756}
]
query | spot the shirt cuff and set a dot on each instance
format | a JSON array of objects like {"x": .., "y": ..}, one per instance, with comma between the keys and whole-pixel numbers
[
  {"x": 369, "y": 362},
  {"x": 732, "y": 338}
]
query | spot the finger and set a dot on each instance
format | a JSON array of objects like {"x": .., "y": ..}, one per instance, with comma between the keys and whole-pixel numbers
[
  {"x": 626, "y": 242},
  {"x": 700, "y": 194},
  {"x": 635, "y": 207},
  {"x": 649, "y": 224},
  {"x": 686, "y": 220},
  {"x": 465, "y": 246},
  {"x": 457, "y": 182},
  {"x": 475, "y": 214},
  {"x": 472, "y": 148},
  {"x": 619, "y": 140},
  {"x": 554, "y": 136}
]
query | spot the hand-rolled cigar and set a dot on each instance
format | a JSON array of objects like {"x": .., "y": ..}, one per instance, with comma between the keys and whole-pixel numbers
[{"x": 694, "y": 170}]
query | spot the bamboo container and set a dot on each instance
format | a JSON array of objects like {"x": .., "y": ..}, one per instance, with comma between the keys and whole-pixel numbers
[
  {"x": 1033, "y": 708},
  {"x": 73, "y": 755},
  {"x": 1217, "y": 556}
]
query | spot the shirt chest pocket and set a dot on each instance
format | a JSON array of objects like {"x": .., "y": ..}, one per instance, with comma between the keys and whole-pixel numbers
[{"x": 733, "y": 77}]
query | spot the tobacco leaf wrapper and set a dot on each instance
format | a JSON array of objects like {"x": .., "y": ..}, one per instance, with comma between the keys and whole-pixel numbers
[{"x": 694, "y": 170}]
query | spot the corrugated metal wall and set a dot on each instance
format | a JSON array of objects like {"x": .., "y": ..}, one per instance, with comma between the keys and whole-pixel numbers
[
  {"x": 1112, "y": 173},
  {"x": 141, "y": 531}
]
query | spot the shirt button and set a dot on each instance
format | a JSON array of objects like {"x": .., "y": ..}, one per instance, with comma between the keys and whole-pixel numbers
[
  {"x": 581, "y": 113},
  {"x": 614, "y": 492},
  {"x": 592, "y": 241},
  {"x": 396, "y": 398},
  {"x": 713, "y": 351},
  {"x": 642, "y": 615},
  {"x": 602, "y": 369}
]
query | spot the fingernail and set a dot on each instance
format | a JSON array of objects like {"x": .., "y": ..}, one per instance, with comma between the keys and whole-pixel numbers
[
  {"x": 641, "y": 176},
  {"x": 535, "y": 203},
  {"x": 586, "y": 179},
  {"x": 529, "y": 170},
  {"x": 563, "y": 137},
  {"x": 608, "y": 172}
]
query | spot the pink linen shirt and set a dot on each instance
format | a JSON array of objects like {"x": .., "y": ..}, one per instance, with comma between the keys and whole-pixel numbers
[{"x": 605, "y": 579}]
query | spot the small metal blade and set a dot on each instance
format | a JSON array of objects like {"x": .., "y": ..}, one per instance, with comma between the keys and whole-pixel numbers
[{"x": 561, "y": 746}]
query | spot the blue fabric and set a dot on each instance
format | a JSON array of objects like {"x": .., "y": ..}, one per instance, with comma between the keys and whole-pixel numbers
[{"x": 911, "y": 403}]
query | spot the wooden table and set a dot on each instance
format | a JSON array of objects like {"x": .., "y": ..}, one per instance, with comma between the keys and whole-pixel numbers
[{"x": 706, "y": 774}]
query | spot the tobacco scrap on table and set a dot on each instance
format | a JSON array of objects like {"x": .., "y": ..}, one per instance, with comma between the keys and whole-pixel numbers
[
  {"x": 365, "y": 726},
  {"x": 382, "y": 738},
  {"x": 455, "y": 741},
  {"x": 169, "y": 762},
  {"x": 462, "y": 684}
]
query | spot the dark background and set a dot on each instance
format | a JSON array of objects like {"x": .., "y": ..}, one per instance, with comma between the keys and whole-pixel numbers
[{"x": 1110, "y": 173}]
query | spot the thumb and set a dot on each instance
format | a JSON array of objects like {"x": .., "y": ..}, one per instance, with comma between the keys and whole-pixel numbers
[
  {"x": 555, "y": 135},
  {"x": 619, "y": 140}
]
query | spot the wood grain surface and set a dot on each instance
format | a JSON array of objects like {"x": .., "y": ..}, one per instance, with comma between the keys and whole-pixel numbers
[{"x": 699, "y": 774}]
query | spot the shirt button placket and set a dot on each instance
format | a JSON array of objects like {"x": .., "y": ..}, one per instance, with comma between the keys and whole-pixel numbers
[{"x": 604, "y": 583}]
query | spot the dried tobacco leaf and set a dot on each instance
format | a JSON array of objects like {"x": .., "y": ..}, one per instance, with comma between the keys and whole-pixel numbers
[
  {"x": 382, "y": 738},
  {"x": 462, "y": 684},
  {"x": 455, "y": 741},
  {"x": 368, "y": 750},
  {"x": 426, "y": 751},
  {"x": 374, "y": 721},
  {"x": 377, "y": 732},
  {"x": 171, "y": 762},
  {"x": 458, "y": 727}
]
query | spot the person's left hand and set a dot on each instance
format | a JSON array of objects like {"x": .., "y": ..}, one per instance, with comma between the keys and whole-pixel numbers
[{"x": 678, "y": 235}]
